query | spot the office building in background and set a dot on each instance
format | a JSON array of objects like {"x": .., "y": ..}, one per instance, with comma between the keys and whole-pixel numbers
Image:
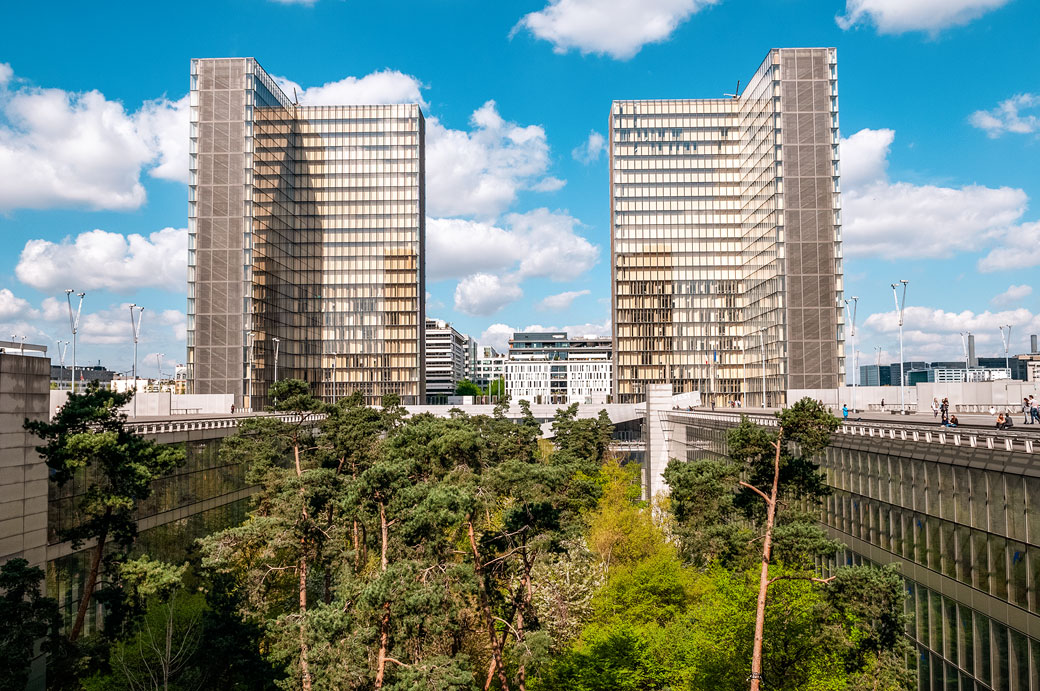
[
  {"x": 726, "y": 237},
  {"x": 306, "y": 241},
  {"x": 446, "y": 355}
]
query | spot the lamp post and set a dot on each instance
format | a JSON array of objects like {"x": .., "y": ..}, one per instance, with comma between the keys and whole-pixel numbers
[
  {"x": 900, "y": 306},
  {"x": 74, "y": 324},
  {"x": 63, "y": 348},
  {"x": 135, "y": 327},
  {"x": 276, "y": 342},
  {"x": 158, "y": 363},
  {"x": 1007, "y": 342},
  {"x": 964, "y": 344},
  {"x": 762, "y": 344},
  {"x": 852, "y": 332},
  {"x": 21, "y": 346}
]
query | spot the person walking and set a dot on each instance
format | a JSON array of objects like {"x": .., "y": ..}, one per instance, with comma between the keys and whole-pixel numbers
[
  {"x": 944, "y": 407},
  {"x": 935, "y": 407},
  {"x": 845, "y": 411},
  {"x": 1034, "y": 409}
]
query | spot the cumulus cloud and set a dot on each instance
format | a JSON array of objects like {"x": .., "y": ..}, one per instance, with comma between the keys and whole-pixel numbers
[
  {"x": 481, "y": 295},
  {"x": 1017, "y": 248},
  {"x": 12, "y": 306},
  {"x": 67, "y": 149},
  {"x": 591, "y": 149},
  {"x": 536, "y": 244},
  {"x": 900, "y": 16},
  {"x": 112, "y": 261},
  {"x": 478, "y": 173},
  {"x": 932, "y": 333},
  {"x": 1012, "y": 294},
  {"x": 376, "y": 88},
  {"x": 560, "y": 301},
  {"x": 618, "y": 28},
  {"x": 880, "y": 215},
  {"x": 1008, "y": 116}
]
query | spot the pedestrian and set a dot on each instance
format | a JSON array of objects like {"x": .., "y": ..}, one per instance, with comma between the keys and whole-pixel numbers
[
  {"x": 845, "y": 411},
  {"x": 882, "y": 405},
  {"x": 232, "y": 408},
  {"x": 935, "y": 407},
  {"x": 944, "y": 408},
  {"x": 1034, "y": 409},
  {"x": 1026, "y": 412}
]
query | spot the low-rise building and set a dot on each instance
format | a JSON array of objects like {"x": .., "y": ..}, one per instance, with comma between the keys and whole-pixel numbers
[
  {"x": 549, "y": 367},
  {"x": 488, "y": 366}
]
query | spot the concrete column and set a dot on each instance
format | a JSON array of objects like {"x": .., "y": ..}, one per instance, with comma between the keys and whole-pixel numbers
[{"x": 658, "y": 402}]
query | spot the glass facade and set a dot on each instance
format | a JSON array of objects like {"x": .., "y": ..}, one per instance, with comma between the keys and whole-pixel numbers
[
  {"x": 721, "y": 275},
  {"x": 200, "y": 497},
  {"x": 306, "y": 236},
  {"x": 964, "y": 522}
]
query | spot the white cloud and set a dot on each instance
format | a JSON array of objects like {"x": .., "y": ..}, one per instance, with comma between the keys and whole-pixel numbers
[
  {"x": 539, "y": 243},
  {"x": 112, "y": 261},
  {"x": 479, "y": 172},
  {"x": 1007, "y": 116},
  {"x": 1017, "y": 248},
  {"x": 456, "y": 247},
  {"x": 497, "y": 335},
  {"x": 881, "y": 216},
  {"x": 899, "y": 16},
  {"x": 934, "y": 334},
  {"x": 6, "y": 73},
  {"x": 560, "y": 301},
  {"x": 60, "y": 148},
  {"x": 591, "y": 149},
  {"x": 618, "y": 28},
  {"x": 13, "y": 307},
  {"x": 111, "y": 325},
  {"x": 481, "y": 294},
  {"x": 1012, "y": 294},
  {"x": 164, "y": 126},
  {"x": 376, "y": 88}
]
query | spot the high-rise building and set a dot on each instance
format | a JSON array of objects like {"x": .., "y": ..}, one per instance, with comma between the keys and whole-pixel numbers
[
  {"x": 306, "y": 241},
  {"x": 446, "y": 355},
  {"x": 726, "y": 237}
]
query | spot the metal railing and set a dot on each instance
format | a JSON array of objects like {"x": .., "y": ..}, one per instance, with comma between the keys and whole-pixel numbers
[
  {"x": 214, "y": 423},
  {"x": 973, "y": 437}
]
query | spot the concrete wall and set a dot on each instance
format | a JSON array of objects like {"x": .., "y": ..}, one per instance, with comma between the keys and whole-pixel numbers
[
  {"x": 964, "y": 397},
  {"x": 165, "y": 404},
  {"x": 24, "y": 386}
]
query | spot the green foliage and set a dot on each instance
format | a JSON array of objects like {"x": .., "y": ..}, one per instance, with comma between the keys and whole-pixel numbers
[
  {"x": 496, "y": 387},
  {"x": 27, "y": 617},
  {"x": 467, "y": 388}
]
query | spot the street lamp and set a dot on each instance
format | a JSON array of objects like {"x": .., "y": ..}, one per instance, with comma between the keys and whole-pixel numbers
[
  {"x": 965, "y": 335},
  {"x": 276, "y": 342},
  {"x": 762, "y": 344},
  {"x": 158, "y": 363},
  {"x": 855, "y": 303},
  {"x": 135, "y": 326},
  {"x": 1007, "y": 342},
  {"x": 900, "y": 306},
  {"x": 21, "y": 346},
  {"x": 74, "y": 324},
  {"x": 63, "y": 348}
]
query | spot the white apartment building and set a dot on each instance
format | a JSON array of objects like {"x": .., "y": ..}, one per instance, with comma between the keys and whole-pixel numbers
[
  {"x": 559, "y": 381},
  {"x": 488, "y": 365}
]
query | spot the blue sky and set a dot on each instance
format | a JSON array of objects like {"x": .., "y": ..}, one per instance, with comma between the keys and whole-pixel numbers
[{"x": 939, "y": 108}]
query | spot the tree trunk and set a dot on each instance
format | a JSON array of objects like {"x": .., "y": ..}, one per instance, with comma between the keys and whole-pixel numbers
[
  {"x": 384, "y": 643},
  {"x": 485, "y": 606},
  {"x": 305, "y": 667},
  {"x": 88, "y": 589},
  {"x": 384, "y": 620},
  {"x": 763, "y": 579}
]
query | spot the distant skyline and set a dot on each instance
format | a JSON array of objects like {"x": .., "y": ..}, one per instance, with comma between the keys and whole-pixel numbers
[{"x": 940, "y": 124}]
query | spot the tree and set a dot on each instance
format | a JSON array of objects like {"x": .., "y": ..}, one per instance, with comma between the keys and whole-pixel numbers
[
  {"x": 27, "y": 617},
  {"x": 467, "y": 388},
  {"x": 287, "y": 534},
  {"x": 496, "y": 387},
  {"x": 88, "y": 440},
  {"x": 768, "y": 458}
]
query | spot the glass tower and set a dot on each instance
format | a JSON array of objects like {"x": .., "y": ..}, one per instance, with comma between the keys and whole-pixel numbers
[
  {"x": 306, "y": 236},
  {"x": 726, "y": 237}
]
